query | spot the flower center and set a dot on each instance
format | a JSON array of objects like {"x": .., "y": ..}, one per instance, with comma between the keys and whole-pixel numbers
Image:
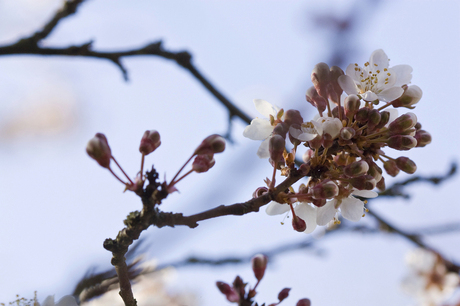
[{"x": 372, "y": 80}]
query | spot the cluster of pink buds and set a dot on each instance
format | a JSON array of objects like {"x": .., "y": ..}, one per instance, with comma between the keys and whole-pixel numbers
[
  {"x": 344, "y": 142},
  {"x": 237, "y": 293},
  {"x": 98, "y": 148}
]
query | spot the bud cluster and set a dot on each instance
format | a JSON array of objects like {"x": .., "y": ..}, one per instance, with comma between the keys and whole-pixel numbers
[{"x": 345, "y": 141}]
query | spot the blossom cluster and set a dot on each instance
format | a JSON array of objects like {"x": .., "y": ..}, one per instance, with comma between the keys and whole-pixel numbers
[{"x": 357, "y": 118}]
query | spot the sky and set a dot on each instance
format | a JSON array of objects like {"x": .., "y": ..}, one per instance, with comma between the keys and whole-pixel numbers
[{"x": 58, "y": 206}]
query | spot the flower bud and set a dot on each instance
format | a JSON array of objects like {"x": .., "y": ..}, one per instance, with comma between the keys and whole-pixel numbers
[
  {"x": 391, "y": 168},
  {"x": 283, "y": 294},
  {"x": 316, "y": 142},
  {"x": 281, "y": 129},
  {"x": 362, "y": 115},
  {"x": 347, "y": 133},
  {"x": 210, "y": 145},
  {"x": 363, "y": 182},
  {"x": 381, "y": 184},
  {"x": 298, "y": 224},
  {"x": 402, "y": 142},
  {"x": 276, "y": 146},
  {"x": 203, "y": 163},
  {"x": 423, "y": 138},
  {"x": 318, "y": 202},
  {"x": 356, "y": 169},
  {"x": 259, "y": 264},
  {"x": 303, "y": 302},
  {"x": 406, "y": 165},
  {"x": 402, "y": 123},
  {"x": 326, "y": 190},
  {"x": 335, "y": 112},
  {"x": 99, "y": 150},
  {"x": 384, "y": 118},
  {"x": 373, "y": 118},
  {"x": 315, "y": 99},
  {"x": 412, "y": 94},
  {"x": 375, "y": 171},
  {"x": 308, "y": 155},
  {"x": 418, "y": 126},
  {"x": 149, "y": 142},
  {"x": 335, "y": 73},
  {"x": 351, "y": 105},
  {"x": 320, "y": 79},
  {"x": 259, "y": 192},
  {"x": 327, "y": 141},
  {"x": 230, "y": 293},
  {"x": 293, "y": 116}
]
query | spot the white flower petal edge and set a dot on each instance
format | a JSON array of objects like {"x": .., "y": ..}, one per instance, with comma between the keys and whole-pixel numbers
[
  {"x": 326, "y": 213},
  {"x": 259, "y": 129},
  {"x": 307, "y": 213},
  {"x": 275, "y": 208}
]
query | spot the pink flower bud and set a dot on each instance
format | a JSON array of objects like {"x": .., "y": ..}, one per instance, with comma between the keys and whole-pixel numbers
[
  {"x": 298, "y": 224},
  {"x": 293, "y": 116},
  {"x": 303, "y": 302},
  {"x": 412, "y": 94},
  {"x": 373, "y": 118},
  {"x": 347, "y": 133},
  {"x": 230, "y": 293},
  {"x": 381, "y": 184},
  {"x": 203, "y": 163},
  {"x": 351, "y": 105},
  {"x": 391, "y": 168},
  {"x": 402, "y": 123},
  {"x": 210, "y": 145},
  {"x": 402, "y": 142},
  {"x": 318, "y": 202},
  {"x": 418, "y": 126},
  {"x": 362, "y": 115},
  {"x": 98, "y": 149},
  {"x": 283, "y": 294},
  {"x": 259, "y": 264},
  {"x": 356, "y": 169},
  {"x": 315, "y": 99},
  {"x": 320, "y": 79},
  {"x": 281, "y": 129},
  {"x": 335, "y": 73},
  {"x": 276, "y": 146},
  {"x": 308, "y": 155},
  {"x": 384, "y": 118},
  {"x": 423, "y": 138},
  {"x": 327, "y": 141},
  {"x": 316, "y": 142},
  {"x": 406, "y": 165},
  {"x": 326, "y": 190},
  {"x": 335, "y": 112},
  {"x": 149, "y": 142},
  {"x": 375, "y": 171}
]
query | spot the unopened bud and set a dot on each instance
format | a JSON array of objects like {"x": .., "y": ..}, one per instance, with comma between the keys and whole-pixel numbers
[
  {"x": 418, "y": 126},
  {"x": 362, "y": 182},
  {"x": 373, "y": 118},
  {"x": 230, "y": 293},
  {"x": 315, "y": 99},
  {"x": 327, "y": 141},
  {"x": 335, "y": 112},
  {"x": 335, "y": 73},
  {"x": 303, "y": 302},
  {"x": 308, "y": 155},
  {"x": 281, "y": 129},
  {"x": 259, "y": 192},
  {"x": 423, "y": 138},
  {"x": 259, "y": 264},
  {"x": 412, "y": 94},
  {"x": 362, "y": 115},
  {"x": 326, "y": 190},
  {"x": 391, "y": 168},
  {"x": 293, "y": 116},
  {"x": 298, "y": 224},
  {"x": 210, "y": 145},
  {"x": 381, "y": 184},
  {"x": 203, "y": 163},
  {"x": 276, "y": 146},
  {"x": 402, "y": 142},
  {"x": 347, "y": 133},
  {"x": 316, "y": 142},
  {"x": 402, "y": 123},
  {"x": 283, "y": 294},
  {"x": 375, "y": 171},
  {"x": 149, "y": 142},
  {"x": 99, "y": 150},
  {"x": 318, "y": 202},
  {"x": 320, "y": 79},
  {"x": 351, "y": 105},
  {"x": 356, "y": 169},
  {"x": 384, "y": 118},
  {"x": 406, "y": 165}
]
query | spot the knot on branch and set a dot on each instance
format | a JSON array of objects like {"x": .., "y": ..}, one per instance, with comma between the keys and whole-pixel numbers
[
  {"x": 110, "y": 245},
  {"x": 183, "y": 59},
  {"x": 132, "y": 219}
]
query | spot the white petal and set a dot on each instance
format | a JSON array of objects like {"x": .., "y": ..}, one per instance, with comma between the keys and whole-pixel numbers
[
  {"x": 298, "y": 134},
  {"x": 403, "y": 74},
  {"x": 49, "y": 301},
  {"x": 275, "y": 208},
  {"x": 348, "y": 85},
  {"x": 259, "y": 129},
  {"x": 365, "y": 193},
  {"x": 307, "y": 213},
  {"x": 263, "y": 152},
  {"x": 326, "y": 213},
  {"x": 332, "y": 127},
  {"x": 264, "y": 108},
  {"x": 67, "y": 300},
  {"x": 378, "y": 60},
  {"x": 390, "y": 94},
  {"x": 369, "y": 96},
  {"x": 352, "y": 209}
]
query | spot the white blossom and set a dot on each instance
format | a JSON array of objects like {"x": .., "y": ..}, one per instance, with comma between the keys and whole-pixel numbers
[
  {"x": 261, "y": 129},
  {"x": 306, "y": 211},
  {"x": 67, "y": 300},
  {"x": 318, "y": 126},
  {"x": 376, "y": 80}
]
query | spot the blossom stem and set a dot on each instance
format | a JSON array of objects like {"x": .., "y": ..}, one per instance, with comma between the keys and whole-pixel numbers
[
  {"x": 362, "y": 128},
  {"x": 142, "y": 164},
  {"x": 385, "y": 106},
  {"x": 116, "y": 176},
  {"x": 377, "y": 140},
  {"x": 377, "y": 134},
  {"x": 183, "y": 176},
  {"x": 272, "y": 184},
  {"x": 180, "y": 170},
  {"x": 387, "y": 157},
  {"x": 122, "y": 170},
  {"x": 329, "y": 109}
]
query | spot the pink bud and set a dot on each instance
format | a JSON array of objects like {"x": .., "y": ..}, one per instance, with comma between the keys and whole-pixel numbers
[
  {"x": 276, "y": 146},
  {"x": 402, "y": 142},
  {"x": 210, "y": 145},
  {"x": 362, "y": 115},
  {"x": 326, "y": 190},
  {"x": 315, "y": 99},
  {"x": 149, "y": 142},
  {"x": 327, "y": 141},
  {"x": 303, "y": 302},
  {"x": 230, "y": 293},
  {"x": 347, "y": 133},
  {"x": 259, "y": 264},
  {"x": 259, "y": 192},
  {"x": 402, "y": 123},
  {"x": 351, "y": 105},
  {"x": 391, "y": 168},
  {"x": 373, "y": 118},
  {"x": 335, "y": 73},
  {"x": 412, "y": 94},
  {"x": 406, "y": 165},
  {"x": 298, "y": 224},
  {"x": 293, "y": 116},
  {"x": 308, "y": 155},
  {"x": 356, "y": 169},
  {"x": 203, "y": 163},
  {"x": 381, "y": 184},
  {"x": 283, "y": 294},
  {"x": 384, "y": 118},
  {"x": 98, "y": 149},
  {"x": 423, "y": 138},
  {"x": 318, "y": 202},
  {"x": 320, "y": 79}
]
